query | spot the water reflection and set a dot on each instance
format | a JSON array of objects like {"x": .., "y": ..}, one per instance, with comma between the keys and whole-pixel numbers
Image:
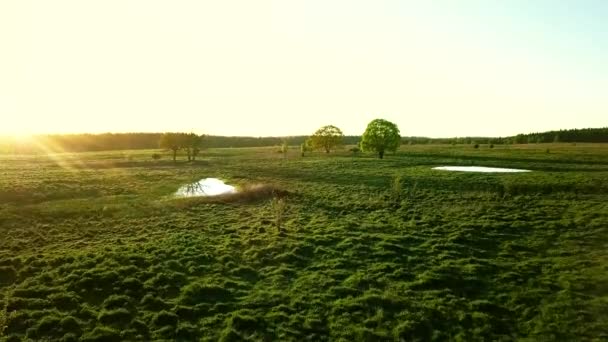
[
  {"x": 477, "y": 169},
  {"x": 205, "y": 187}
]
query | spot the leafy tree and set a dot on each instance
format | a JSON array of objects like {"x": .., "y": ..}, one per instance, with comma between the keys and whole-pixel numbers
[
  {"x": 381, "y": 136},
  {"x": 327, "y": 137},
  {"x": 197, "y": 145},
  {"x": 192, "y": 144},
  {"x": 171, "y": 141}
]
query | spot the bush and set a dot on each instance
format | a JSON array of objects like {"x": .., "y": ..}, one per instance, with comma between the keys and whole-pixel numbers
[
  {"x": 491, "y": 145},
  {"x": 156, "y": 156},
  {"x": 476, "y": 146},
  {"x": 396, "y": 189},
  {"x": 278, "y": 207}
]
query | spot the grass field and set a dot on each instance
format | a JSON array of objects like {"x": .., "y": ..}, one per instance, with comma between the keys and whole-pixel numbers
[{"x": 94, "y": 247}]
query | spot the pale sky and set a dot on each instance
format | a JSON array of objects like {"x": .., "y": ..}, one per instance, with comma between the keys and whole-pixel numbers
[{"x": 436, "y": 68}]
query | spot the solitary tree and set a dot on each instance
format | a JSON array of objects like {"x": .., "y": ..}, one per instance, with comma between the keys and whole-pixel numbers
[
  {"x": 381, "y": 136},
  {"x": 172, "y": 142},
  {"x": 192, "y": 145},
  {"x": 326, "y": 137}
]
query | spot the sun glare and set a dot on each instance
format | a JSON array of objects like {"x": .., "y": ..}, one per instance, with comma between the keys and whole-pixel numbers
[{"x": 21, "y": 137}]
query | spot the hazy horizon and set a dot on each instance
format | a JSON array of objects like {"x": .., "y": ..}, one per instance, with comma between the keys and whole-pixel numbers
[
  {"x": 18, "y": 136},
  {"x": 285, "y": 68}
]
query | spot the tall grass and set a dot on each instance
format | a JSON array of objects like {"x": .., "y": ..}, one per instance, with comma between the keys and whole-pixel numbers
[{"x": 451, "y": 260}]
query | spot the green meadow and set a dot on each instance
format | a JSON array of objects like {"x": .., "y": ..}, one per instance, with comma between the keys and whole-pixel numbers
[{"x": 344, "y": 247}]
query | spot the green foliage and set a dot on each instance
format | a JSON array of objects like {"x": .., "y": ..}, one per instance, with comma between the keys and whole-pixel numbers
[
  {"x": 189, "y": 142},
  {"x": 381, "y": 136},
  {"x": 326, "y": 138},
  {"x": 94, "y": 247},
  {"x": 171, "y": 141}
]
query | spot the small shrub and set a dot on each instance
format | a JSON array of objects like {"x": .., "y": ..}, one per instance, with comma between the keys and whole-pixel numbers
[
  {"x": 278, "y": 207},
  {"x": 355, "y": 150},
  {"x": 156, "y": 156},
  {"x": 491, "y": 145},
  {"x": 476, "y": 146},
  {"x": 396, "y": 189}
]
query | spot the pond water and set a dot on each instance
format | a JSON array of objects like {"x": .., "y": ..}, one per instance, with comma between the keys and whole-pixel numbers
[
  {"x": 477, "y": 169},
  {"x": 205, "y": 187}
]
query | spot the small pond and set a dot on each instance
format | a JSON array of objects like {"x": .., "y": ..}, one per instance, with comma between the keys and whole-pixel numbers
[
  {"x": 205, "y": 187},
  {"x": 477, "y": 169}
]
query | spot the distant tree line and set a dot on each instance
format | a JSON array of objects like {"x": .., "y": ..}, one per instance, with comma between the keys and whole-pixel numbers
[
  {"x": 584, "y": 135},
  {"x": 128, "y": 141},
  {"x": 57, "y": 143}
]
